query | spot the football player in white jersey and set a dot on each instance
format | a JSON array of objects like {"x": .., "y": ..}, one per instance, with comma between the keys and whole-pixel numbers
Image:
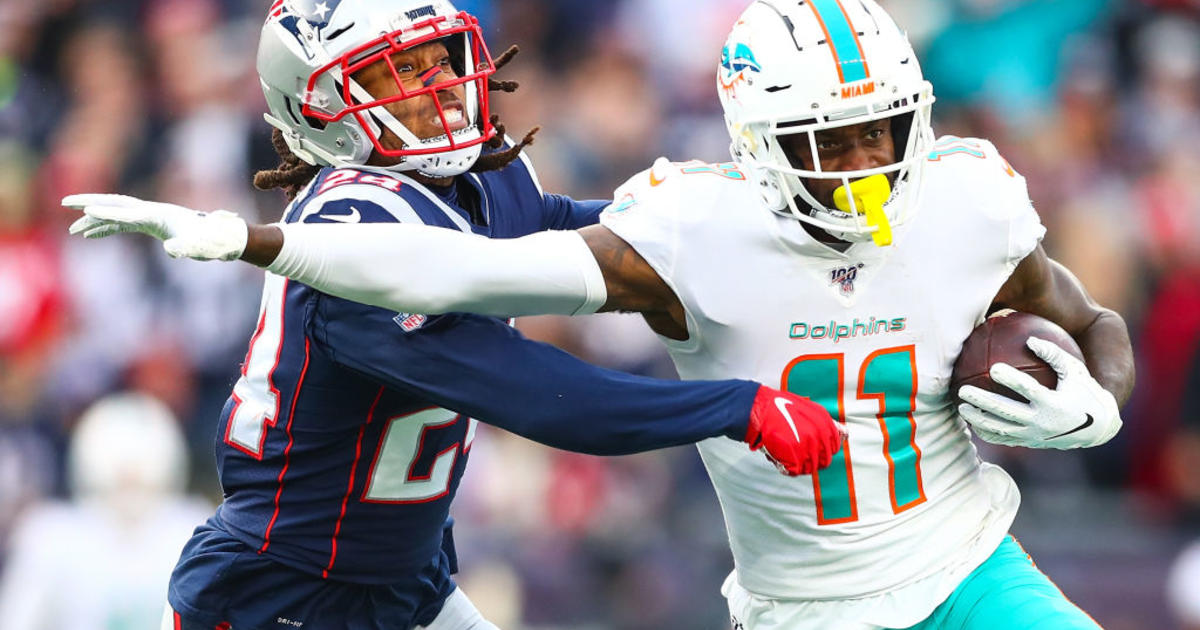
[
  {"x": 100, "y": 561},
  {"x": 845, "y": 254}
]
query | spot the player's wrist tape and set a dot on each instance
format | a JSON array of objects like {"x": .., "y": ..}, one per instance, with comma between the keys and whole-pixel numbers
[
  {"x": 220, "y": 235},
  {"x": 429, "y": 270}
]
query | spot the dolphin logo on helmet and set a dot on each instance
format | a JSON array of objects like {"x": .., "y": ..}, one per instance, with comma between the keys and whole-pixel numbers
[{"x": 735, "y": 65}]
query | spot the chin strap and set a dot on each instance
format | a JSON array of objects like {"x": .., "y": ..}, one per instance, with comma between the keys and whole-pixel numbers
[{"x": 867, "y": 196}]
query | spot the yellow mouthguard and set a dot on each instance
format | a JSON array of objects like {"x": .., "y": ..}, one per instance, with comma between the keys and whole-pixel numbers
[{"x": 869, "y": 196}]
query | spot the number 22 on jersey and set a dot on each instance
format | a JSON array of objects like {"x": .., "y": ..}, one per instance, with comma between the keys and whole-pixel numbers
[
  {"x": 889, "y": 377},
  {"x": 392, "y": 477}
]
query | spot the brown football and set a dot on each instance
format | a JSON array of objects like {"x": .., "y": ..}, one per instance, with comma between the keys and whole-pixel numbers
[{"x": 1001, "y": 339}]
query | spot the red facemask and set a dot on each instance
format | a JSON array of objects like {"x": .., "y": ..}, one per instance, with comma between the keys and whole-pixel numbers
[{"x": 382, "y": 49}]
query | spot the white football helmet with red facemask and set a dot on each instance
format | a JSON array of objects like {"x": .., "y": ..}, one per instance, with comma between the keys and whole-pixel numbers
[
  {"x": 798, "y": 67},
  {"x": 310, "y": 50}
]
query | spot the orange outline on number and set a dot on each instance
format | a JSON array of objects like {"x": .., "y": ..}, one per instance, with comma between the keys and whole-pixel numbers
[
  {"x": 841, "y": 391},
  {"x": 911, "y": 350}
]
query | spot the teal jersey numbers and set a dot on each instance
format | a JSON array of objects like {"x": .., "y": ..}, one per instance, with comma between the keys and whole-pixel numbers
[{"x": 889, "y": 377}]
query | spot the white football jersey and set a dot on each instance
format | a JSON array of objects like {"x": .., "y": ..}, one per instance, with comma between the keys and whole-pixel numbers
[
  {"x": 871, "y": 334},
  {"x": 92, "y": 566}
]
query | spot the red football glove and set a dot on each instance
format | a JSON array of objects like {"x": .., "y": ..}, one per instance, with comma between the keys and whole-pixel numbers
[{"x": 795, "y": 433}]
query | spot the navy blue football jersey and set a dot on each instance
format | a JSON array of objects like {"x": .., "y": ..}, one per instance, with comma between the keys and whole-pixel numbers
[
  {"x": 343, "y": 442},
  {"x": 325, "y": 468}
]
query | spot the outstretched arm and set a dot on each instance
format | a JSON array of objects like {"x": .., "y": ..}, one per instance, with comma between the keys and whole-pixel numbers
[
  {"x": 560, "y": 401},
  {"x": 430, "y": 270},
  {"x": 412, "y": 268},
  {"x": 422, "y": 269},
  {"x": 480, "y": 367}
]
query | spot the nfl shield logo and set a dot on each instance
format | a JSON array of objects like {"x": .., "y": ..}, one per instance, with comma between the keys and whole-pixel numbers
[{"x": 408, "y": 322}]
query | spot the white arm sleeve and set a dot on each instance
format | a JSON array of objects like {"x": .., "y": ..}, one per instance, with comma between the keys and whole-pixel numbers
[{"x": 428, "y": 270}]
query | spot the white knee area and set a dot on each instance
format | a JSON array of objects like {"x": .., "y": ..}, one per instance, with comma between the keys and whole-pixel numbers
[{"x": 458, "y": 613}]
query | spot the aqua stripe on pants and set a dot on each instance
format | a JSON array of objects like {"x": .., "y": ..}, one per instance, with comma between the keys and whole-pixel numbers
[{"x": 1007, "y": 592}]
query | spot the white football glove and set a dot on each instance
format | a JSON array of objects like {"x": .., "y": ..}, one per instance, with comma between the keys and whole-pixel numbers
[
  {"x": 1078, "y": 414},
  {"x": 185, "y": 233}
]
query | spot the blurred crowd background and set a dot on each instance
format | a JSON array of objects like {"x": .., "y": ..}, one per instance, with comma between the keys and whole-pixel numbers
[{"x": 1096, "y": 102}]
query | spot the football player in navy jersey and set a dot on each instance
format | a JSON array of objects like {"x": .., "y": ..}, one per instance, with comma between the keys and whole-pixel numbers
[{"x": 344, "y": 440}]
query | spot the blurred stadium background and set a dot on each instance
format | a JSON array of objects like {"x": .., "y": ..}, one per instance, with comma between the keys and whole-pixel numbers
[{"x": 1097, "y": 102}]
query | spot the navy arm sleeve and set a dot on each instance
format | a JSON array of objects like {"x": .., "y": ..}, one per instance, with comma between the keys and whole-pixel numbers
[
  {"x": 565, "y": 213},
  {"x": 483, "y": 368}
]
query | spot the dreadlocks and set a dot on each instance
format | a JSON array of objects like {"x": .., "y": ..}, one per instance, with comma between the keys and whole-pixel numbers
[
  {"x": 501, "y": 159},
  {"x": 293, "y": 174}
]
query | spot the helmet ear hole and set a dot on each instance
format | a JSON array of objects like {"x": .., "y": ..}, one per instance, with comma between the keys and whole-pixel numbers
[
  {"x": 315, "y": 123},
  {"x": 742, "y": 146},
  {"x": 297, "y": 115}
]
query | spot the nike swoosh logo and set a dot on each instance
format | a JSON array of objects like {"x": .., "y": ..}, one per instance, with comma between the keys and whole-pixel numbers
[
  {"x": 655, "y": 181},
  {"x": 1089, "y": 422},
  {"x": 782, "y": 405},
  {"x": 353, "y": 217}
]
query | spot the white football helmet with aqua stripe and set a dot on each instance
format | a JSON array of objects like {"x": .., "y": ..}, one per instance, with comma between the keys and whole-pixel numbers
[{"x": 795, "y": 67}]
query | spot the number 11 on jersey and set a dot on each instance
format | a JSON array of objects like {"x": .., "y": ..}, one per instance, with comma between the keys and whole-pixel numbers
[{"x": 889, "y": 377}]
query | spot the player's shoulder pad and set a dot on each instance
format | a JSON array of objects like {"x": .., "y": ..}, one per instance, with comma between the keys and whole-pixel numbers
[
  {"x": 975, "y": 169},
  {"x": 350, "y": 195},
  {"x": 669, "y": 185},
  {"x": 975, "y": 159}
]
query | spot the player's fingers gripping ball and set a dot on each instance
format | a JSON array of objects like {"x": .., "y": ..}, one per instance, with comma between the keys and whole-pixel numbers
[
  {"x": 795, "y": 434},
  {"x": 1023, "y": 382}
]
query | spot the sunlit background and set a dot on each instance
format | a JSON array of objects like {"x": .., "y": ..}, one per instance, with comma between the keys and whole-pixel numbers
[{"x": 1096, "y": 102}]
